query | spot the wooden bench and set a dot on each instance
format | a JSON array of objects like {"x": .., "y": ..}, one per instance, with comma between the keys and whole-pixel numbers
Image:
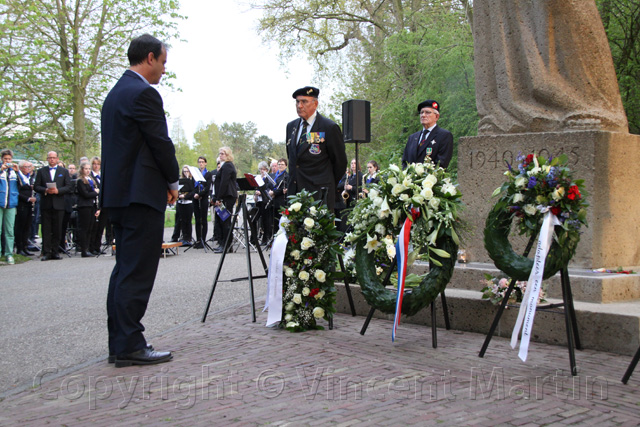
[{"x": 169, "y": 246}]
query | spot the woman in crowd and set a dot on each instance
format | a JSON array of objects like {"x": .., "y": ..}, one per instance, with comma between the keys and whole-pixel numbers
[
  {"x": 355, "y": 180},
  {"x": 184, "y": 206},
  {"x": 87, "y": 207},
  {"x": 371, "y": 177},
  {"x": 226, "y": 194}
]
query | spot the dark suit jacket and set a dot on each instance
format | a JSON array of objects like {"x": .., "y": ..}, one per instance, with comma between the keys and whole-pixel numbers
[
  {"x": 138, "y": 157},
  {"x": 225, "y": 183},
  {"x": 439, "y": 140},
  {"x": 312, "y": 166},
  {"x": 86, "y": 195},
  {"x": 63, "y": 183}
]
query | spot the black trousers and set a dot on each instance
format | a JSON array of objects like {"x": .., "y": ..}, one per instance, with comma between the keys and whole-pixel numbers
[
  {"x": 86, "y": 224},
  {"x": 51, "y": 228},
  {"x": 201, "y": 211},
  {"x": 225, "y": 226},
  {"x": 95, "y": 239},
  {"x": 138, "y": 230},
  {"x": 186, "y": 213},
  {"x": 23, "y": 225}
]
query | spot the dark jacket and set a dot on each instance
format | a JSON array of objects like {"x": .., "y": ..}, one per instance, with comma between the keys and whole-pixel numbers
[
  {"x": 439, "y": 143},
  {"x": 63, "y": 183},
  {"x": 86, "y": 195}
]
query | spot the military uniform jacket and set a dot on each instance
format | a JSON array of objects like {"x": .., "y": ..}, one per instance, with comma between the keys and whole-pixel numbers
[
  {"x": 438, "y": 146},
  {"x": 319, "y": 162}
]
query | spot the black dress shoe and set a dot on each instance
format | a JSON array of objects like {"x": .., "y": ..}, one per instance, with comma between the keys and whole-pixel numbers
[
  {"x": 45, "y": 258},
  {"x": 33, "y": 248},
  {"x": 112, "y": 357},
  {"x": 86, "y": 255},
  {"x": 94, "y": 253},
  {"x": 143, "y": 357},
  {"x": 55, "y": 256}
]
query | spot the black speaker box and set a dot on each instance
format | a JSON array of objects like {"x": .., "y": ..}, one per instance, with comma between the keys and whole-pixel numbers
[{"x": 356, "y": 121}]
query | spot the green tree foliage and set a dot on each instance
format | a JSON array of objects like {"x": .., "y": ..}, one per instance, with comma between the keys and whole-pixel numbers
[
  {"x": 394, "y": 53},
  {"x": 621, "y": 19},
  {"x": 184, "y": 153},
  {"x": 58, "y": 58},
  {"x": 207, "y": 143}
]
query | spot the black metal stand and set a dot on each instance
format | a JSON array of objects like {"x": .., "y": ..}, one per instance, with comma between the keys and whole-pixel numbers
[
  {"x": 632, "y": 367},
  {"x": 346, "y": 285},
  {"x": 434, "y": 331},
  {"x": 234, "y": 218},
  {"x": 203, "y": 239},
  {"x": 571, "y": 325}
]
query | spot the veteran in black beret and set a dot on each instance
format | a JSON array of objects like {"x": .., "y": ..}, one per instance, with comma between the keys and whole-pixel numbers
[
  {"x": 315, "y": 149},
  {"x": 431, "y": 141}
]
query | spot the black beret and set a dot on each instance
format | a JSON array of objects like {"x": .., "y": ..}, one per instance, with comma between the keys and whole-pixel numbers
[
  {"x": 307, "y": 91},
  {"x": 429, "y": 103}
]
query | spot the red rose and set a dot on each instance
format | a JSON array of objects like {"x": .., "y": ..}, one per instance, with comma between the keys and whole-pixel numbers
[
  {"x": 555, "y": 210},
  {"x": 530, "y": 158},
  {"x": 314, "y": 292},
  {"x": 286, "y": 211}
]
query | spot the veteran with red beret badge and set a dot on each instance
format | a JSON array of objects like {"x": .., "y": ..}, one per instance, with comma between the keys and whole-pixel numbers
[
  {"x": 432, "y": 141},
  {"x": 315, "y": 148}
]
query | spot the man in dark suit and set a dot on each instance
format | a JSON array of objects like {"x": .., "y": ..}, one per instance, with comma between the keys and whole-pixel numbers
[
  {"x": 26, "y": 199},
  {"x": 52, "y": 204},
  {"x": 279, "y": 192},
  {"x": 315, "y": 148},
  {"x": 201, "y": 204},
  {"x": 432, "y": 141},
  {"x": 139, "y": 178}
]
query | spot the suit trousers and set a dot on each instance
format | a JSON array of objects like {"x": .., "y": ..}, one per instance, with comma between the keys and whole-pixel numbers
[
  {"x": 138, "y": 230},
  {"x": 23, "y": 226},
  {"x": 51, "y": 227},
  {"x": 201, "y": 211},
  {"x": 86, "y": 223}
]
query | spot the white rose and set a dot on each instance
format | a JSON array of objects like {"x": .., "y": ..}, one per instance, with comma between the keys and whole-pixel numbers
[
  {"x": 320, "y": 276},
  {"x": 380, "y": 229},
  {"x": 404, "y": 197},
  {"x": 291, "y": 325},
  {"x": 295, "y": 254},
  {"x": 296, "y": 206},
  {"x": 306, "y": 291},
  {"x": 391, "y": 251},
  {"x": 308, "y": 223},
  {"x": 419, "y": 168},
  {"x": 318, "y": 312},
  {"x": 297, "y": 298},
  {"x": 518, "y": 198},
  {"x": 397, "y": 189},
  {"x": 307, "y": 261},
  {"x": 313, "y": 210},
  {"x": 406, "y": 182},
  {"x": 429, "y": 181},
  {"x": 373, "y": 193},
  {"x": 534, "y": 171},
  {"x": 520, "y": 182},
  {"x": 530, "y": 209},
  {"x": 392, "y": 181},
  {"x": 289, "y": 272},
  {"x": 427, "y": 193},
  {"x": 304, "y": 276},
  {"x": 288, "y": 317},
  {"x": 289, "y": 307},
  {"x": 434, "y": 203},
  {"x": 306, "y": 243},
  {"x": 418, "y": 199},
  {"x": 319, "y": 295},
  {"x": 449, "y": 189},
  {"x": 378, "y": 201},
  {"x": 394, "y": 168}
]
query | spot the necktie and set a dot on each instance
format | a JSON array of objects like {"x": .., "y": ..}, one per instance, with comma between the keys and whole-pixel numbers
[
  {"x": 424, "y": 138},
  {"x": 303, "y": 135}
]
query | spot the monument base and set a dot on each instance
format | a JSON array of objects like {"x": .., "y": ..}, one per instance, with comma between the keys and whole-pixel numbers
[{"x": 606, "y": 161}]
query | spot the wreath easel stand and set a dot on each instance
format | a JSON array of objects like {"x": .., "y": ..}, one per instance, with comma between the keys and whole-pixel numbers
[
  {"x": 571, "y": 325},
  {"x": 434, "y": 331}
]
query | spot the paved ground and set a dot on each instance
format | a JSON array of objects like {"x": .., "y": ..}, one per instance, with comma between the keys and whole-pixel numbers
[
  {"x": 232, "y": 371},
  {"x": 53, "y": 314}
]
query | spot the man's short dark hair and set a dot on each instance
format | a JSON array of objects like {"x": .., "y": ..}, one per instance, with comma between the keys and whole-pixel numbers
[
  {"x": 141, "y": 46},
  {"x": 203, "y": 158}
]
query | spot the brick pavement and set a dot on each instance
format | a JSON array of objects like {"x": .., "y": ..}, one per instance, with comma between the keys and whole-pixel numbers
[{"x": 232, "y": 371}]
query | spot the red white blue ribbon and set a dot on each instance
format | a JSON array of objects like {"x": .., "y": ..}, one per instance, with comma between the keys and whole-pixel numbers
[{"x": 402, "y": 254}]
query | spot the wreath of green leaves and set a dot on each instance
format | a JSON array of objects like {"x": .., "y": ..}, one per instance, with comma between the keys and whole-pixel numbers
[
  {"x": 417, "y": 298},
  {"x": 496, "y": 242}
]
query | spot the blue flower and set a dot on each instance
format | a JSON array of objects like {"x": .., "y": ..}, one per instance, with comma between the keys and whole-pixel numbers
[{"x": 532, "y": 182}]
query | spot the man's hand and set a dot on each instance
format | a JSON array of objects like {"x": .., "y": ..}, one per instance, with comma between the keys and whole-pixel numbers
[
  {"x": 52, "y": 190},
  {"x": 196, "y": 196},
  {"x": 172, "y": 196}
]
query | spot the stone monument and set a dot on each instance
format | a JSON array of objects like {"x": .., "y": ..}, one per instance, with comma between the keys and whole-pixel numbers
[{"x": 545, "y": 83}]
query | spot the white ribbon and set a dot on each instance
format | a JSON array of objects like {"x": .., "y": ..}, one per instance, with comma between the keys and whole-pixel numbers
[
  {"x": 534, "y": 284},
  {"x": 274, "y": 280}
]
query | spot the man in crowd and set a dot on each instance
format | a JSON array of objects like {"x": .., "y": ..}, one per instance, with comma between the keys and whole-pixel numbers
[
  {"x": 273, "y": 167},
  {"x": 201, "y": 203},
  {"x": 52, "y": 182},
  {"x": 315, "y": 148},
  {"x": 139, "y": 178},
  {"x": 432, "y": 141},
  {"x": 24, "y": 214},
  {"x": 279, "y": 192}
]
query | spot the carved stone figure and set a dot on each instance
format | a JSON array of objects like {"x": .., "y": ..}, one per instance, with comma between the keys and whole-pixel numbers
[{"x": 542, "y": 66}]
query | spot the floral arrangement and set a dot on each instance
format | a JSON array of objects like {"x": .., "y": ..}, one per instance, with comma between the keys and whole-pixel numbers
[
  {"x": 496, "y": 287},
  {"x": 309, "y": 293},
  {"x": 539, "y": 184},
  {"x": 422, "y": 187}
]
